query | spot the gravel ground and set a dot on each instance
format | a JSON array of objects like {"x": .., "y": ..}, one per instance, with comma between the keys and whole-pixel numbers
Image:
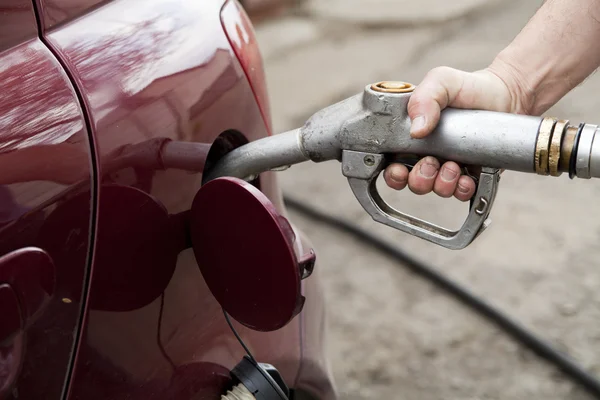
[{"x": 392, "y": 334}]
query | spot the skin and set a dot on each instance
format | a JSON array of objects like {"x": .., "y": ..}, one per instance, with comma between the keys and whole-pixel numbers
[{"x": 557, "y": 49}]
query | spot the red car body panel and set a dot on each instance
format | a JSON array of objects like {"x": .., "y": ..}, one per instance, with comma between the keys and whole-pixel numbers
[
  {"x": 137, "y": 73},
  {"x": 44, "y": 148}
]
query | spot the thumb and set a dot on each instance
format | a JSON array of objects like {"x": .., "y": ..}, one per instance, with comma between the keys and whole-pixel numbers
[{"x": 438, "y": 89}]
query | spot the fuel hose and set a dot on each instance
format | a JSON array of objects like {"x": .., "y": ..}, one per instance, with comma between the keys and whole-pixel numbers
[{"x": 505, "y": 322}]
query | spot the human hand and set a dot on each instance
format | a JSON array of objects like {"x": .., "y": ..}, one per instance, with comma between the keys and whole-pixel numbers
[{"x": 494, "y": 89}]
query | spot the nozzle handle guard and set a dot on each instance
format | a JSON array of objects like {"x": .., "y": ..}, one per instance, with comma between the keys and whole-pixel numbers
[{"x": 362, "y": 170}]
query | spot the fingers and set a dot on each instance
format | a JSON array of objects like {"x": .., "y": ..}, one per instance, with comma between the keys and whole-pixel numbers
[
  {"x": 447, "y": 180},
  {"x": 429, "y": 176},
  {"x": 465, "y": 188},
  {"x": 447, "y": 87},
  {"x": 436, "y": 92},
  {"x": 396, "y": 176},
  {"x": 422, "y": 178}
]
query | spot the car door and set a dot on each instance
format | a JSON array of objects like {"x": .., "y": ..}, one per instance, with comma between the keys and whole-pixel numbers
[
  {"x": 152, "y": 73},
  {"x": 45, "y": 163}
]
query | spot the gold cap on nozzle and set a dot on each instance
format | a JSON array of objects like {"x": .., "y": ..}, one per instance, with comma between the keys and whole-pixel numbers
[{"x": 393, "y": 87}]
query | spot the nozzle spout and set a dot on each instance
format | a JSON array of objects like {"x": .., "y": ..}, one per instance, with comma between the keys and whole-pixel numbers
[{"x": 272, "y": 152}]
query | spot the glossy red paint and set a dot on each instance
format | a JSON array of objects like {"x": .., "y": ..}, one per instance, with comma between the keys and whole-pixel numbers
[
  {"x": 55, "y": 12},
  {"x": 30, "y": 273},
  {"x": 144, "y": 78},
  {"x": 44, "y": 159},
  {"x": 153, "y": 74},
  {"x": 264, "y": 293},
  {"x": 11, "y": 349},
  {"x": 139, "y": 237},
  {"x": 240, "y": 33},
  {"x": 12, "y": 321},
  {"x": 17, "y": 23}
]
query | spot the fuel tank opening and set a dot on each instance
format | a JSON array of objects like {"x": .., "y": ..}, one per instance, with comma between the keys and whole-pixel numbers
[{"x": 223, "y": 144}]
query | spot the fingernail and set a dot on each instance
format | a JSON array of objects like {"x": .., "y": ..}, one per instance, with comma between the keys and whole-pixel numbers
[
  {"x": 463, "y": 189},
  {"x": 428, "y": 170},
  {"x": 448, "y": 175},
  {"x": 396, "y": 177},
  {"x": 417, "y": 124}
]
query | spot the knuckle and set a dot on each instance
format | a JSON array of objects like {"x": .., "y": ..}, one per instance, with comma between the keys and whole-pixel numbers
[
  {"x": 440, "y": 95},
  {"x": 436, "y": 72},
  {"x": 417, "y": 102},
  {"x": 438, "y": 75},
  {"x": 414, "y": 105}
]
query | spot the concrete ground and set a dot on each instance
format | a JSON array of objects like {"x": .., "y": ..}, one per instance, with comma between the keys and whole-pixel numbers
[{"x": 392, "y": 334}]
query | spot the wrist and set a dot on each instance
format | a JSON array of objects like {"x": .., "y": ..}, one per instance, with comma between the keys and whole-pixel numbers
[
  {"x": 553, "y": 54},
  {"x": 521, "y": 88}
]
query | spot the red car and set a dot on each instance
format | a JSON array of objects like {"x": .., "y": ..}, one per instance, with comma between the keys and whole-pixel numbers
[{"x": 116, "y": 262}]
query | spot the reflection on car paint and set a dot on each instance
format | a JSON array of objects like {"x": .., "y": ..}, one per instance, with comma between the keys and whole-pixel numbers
[
  {"x": 164, "y": 71},
  {"x": 44, "y": 159}
]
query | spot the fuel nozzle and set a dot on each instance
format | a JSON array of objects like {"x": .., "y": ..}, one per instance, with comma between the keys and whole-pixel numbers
[{"x": 368, "y": 131}]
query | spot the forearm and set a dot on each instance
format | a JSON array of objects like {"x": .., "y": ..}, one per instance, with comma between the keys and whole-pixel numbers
[{"x": 555, "y": 52}]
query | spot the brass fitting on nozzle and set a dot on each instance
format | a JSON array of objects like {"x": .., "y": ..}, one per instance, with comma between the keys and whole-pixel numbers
[{"x": 554, "y": 148}]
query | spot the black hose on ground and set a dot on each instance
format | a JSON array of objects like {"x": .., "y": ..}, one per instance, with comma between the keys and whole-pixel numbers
[{"x": 520, "y": 333}]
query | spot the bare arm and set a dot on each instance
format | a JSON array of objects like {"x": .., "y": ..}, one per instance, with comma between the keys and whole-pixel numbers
[
  {"x": 555, "y": 52},
  {"x": 558, "y": 48}
]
